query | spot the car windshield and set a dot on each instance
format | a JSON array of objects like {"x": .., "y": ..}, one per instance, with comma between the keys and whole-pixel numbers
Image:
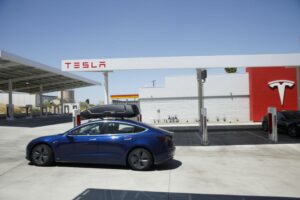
[{"x": 292, "y": 115}]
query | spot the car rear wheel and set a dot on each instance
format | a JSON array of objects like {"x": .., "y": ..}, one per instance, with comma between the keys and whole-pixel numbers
[
  {"x": 292, "y": 131},
  {"x": 140, "y": 159},
  {"x": 42, "y": 155}
]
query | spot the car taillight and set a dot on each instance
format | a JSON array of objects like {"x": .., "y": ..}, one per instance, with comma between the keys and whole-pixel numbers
[
  {"x": 162, "y": 138},
  {"x": 167, "y": 139}
]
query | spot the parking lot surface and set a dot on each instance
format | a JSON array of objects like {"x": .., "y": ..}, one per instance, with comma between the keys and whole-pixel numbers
[{"x": 222, "y": 171}]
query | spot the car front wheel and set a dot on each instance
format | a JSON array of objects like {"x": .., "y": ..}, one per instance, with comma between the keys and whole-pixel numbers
[
  {"x": 42, "y": 155},
  {"x": 140, "y": 159}
]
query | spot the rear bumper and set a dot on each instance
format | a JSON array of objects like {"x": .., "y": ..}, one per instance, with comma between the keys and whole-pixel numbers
[{"x": 163, "y": 157}]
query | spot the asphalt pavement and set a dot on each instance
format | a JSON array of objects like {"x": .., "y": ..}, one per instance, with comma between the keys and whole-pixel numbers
[{"x": 226, "y": 170}]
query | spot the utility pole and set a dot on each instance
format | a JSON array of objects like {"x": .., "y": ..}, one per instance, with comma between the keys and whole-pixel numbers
[{"x": 153, "y": 83}]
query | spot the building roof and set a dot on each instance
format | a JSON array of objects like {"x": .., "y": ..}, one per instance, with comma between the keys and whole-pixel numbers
[{"x": 27, "y": 76}]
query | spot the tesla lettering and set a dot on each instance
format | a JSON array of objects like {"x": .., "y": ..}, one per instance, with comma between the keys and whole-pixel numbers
[
  {"x": 85, "y": 65},
  {"x": 281, "y": 85}
]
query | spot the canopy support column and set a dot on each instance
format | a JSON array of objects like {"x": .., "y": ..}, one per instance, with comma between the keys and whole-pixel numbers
[
  {"x": 41, "y": 100},
  {"x": 10, "y": 106},
  {"x": 106, "y": 90},
  {"x": 298, "y": 86},
  {"x": 61, "y": 102}
]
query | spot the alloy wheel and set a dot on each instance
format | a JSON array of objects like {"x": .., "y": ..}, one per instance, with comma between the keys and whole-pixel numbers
[
  {"x": 140, "y": 159},
  {"x": 41, "y": 155}
]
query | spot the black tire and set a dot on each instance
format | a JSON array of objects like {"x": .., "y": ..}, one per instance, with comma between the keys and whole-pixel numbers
[
  {"x": 140, "y": 159},
  {"x": 265, "y": 126},
  {"x": 42, "y": 155},
  {"x": 292, "y": 130}
]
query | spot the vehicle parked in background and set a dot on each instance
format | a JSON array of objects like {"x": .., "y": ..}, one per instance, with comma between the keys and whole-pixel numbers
[
  {"x": 109, "y": 141},
  {"x": 287, "y": 122}
]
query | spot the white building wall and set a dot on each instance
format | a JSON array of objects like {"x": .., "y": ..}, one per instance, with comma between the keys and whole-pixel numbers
[
  {"x": 19, "y": 99},
  {"x": 186, "y": 110},
  {"x": 226, "y": 99},
  {"x": 186, "y": 86}
]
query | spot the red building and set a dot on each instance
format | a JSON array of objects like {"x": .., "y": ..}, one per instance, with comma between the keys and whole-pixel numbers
[{"x": 271, "y": 86}]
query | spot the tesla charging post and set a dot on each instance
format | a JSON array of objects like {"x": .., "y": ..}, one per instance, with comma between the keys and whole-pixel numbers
[
  {"x": 272, "y": 124},
  {"x": 204, "y": 126},
  {"x": 76, "y": 117}
]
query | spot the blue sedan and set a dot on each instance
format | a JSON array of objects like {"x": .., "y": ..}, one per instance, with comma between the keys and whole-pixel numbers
[{"x": 120, "y": 142}]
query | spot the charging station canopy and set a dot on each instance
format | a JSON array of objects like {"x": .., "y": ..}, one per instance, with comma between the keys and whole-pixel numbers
[{"x": 181, "y": 62}]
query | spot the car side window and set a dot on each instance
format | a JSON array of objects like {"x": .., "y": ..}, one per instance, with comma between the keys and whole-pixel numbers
[
  {"x": 118, "y": 128},
  {"x": 280, "y": 116},
  {"x": 90, "y": 129}
]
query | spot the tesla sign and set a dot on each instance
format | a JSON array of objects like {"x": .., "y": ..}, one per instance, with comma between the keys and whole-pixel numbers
[
  {"x": 83, "y": 65},
  {"x": 281, "y": 85}
]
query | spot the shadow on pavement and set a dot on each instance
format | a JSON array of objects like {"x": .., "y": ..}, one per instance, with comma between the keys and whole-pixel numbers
[
  {"x": 233, "y": 137},
  {"x": 106, "y": 194},
  {"x": 36, "y": 121},
  {"x": 169, "y": 165}
]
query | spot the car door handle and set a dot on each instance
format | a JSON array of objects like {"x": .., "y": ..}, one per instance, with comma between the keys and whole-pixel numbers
[
  {"x": 129, "y": 138},
  {"x": 93, "y": 139}
]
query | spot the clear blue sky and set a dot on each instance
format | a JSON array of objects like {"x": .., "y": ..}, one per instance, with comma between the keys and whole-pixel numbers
[{"x": 53, "y": 30}]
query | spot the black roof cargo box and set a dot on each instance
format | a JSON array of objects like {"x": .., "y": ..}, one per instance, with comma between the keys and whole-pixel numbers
[{"x": 117, "y": 111}]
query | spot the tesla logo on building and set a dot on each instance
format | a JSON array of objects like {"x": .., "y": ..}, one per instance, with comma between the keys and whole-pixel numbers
[
  {"x": 85, "y": 64},
  {"x": 281, "y": 85}
]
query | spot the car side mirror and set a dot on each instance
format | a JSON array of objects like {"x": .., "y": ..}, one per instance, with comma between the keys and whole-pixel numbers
[{"x": 70, "y": 136}]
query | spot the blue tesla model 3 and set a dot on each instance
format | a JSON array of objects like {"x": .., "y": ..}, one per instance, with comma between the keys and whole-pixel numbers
[{"x": 120, "y": 142}]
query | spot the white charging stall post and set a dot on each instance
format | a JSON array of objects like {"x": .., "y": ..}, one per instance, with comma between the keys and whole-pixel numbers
[
  {"x": 203, "y": 126},
  {"x": 76, "y": 117},
  {"x": 272, "y": 124}
]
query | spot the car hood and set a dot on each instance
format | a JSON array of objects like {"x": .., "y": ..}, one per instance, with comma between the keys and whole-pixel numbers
[{"x": 48, "y": 138}]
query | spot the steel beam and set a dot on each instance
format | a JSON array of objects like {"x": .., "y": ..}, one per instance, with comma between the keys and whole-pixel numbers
[
  {"x": 200, "y": 99},
  {"x": 106, "y": 89},
  {"x": 44, "y": 85},
  {"x": 10, "y": 64},
  {"x": 41, "y": 100},
  {"x": 10, "y": 106},
  {"x": 61, "y": 102},
  {"x": 298, "y": 86},
  {"x": 28, "y": 78}
]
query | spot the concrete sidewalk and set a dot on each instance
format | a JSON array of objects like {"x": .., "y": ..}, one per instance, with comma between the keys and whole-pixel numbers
[{"x": 215, "y": 172}]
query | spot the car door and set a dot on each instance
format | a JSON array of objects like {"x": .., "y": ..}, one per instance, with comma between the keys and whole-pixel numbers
[
  {"x": 281, "y": 121},
  {"x": 116, "y": 139},
  {"x": 81, "y": 145}
]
